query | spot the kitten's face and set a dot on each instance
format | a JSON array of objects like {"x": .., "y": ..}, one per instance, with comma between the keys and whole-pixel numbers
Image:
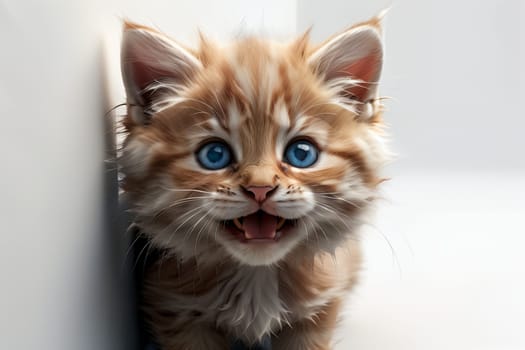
[{"x": 253, "y": 150}]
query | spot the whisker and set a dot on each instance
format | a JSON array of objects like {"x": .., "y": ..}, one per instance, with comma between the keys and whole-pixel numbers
[
  {"x": 185, "y": 190},
  {"x": 129, "y": 250},
  {"x": 195, "y": 211},
  {"x": 209, "y": 220},
  {"x": 339, "y": 216},
  {"x": 137, "y": 259},
  {"x": 395, "y": 257},
  {"x": 305, "y": 229},
  {"x": 313, "y": 226},
  {"x": 180, "y": 202},
  {"x": 339, "y": 198}
]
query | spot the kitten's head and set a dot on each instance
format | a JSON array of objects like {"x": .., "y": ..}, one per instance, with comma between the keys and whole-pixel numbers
[{"x": 255, "y": 149}]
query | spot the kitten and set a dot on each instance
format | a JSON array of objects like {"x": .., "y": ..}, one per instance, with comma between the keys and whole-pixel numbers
[{"x": 251, "y": 167}]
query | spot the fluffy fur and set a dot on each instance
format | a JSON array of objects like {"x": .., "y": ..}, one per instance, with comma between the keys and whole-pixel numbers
[{"x": 257, "y": 96}]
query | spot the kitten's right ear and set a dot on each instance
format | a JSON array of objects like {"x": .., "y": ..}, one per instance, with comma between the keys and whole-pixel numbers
[{"x": 148, "y": 57}]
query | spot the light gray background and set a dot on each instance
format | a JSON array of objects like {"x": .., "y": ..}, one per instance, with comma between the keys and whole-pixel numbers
[
  {"x": 444, "y": 262},
  {"x": 454, "y": 70}
]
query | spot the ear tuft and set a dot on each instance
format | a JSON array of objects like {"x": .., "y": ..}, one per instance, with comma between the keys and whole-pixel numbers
[
  {"x": 149, "y": 58},
  {"x": 207, "y": 50},
  {"x": 300, "y": 45}
]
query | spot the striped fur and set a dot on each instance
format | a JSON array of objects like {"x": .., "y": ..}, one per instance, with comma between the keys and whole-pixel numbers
[{"x": 257, "y": 96}]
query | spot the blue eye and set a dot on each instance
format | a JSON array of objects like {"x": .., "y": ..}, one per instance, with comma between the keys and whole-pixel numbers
[
  {"x": 214, "y": 156},
  {"x": 301, "y": 154}
]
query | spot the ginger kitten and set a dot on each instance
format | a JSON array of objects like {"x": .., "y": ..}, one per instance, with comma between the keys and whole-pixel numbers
[{"x": 251, "y": 167}]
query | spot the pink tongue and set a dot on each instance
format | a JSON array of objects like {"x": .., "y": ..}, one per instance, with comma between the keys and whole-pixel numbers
[{"x": 259, "y": 225}]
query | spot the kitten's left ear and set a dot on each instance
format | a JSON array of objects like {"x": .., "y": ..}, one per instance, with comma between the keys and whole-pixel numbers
[
  {"x": 352, "y": 60},
  {"x": 148, "y": 57}
]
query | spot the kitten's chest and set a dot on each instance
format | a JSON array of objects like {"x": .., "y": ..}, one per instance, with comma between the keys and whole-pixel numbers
[
  {"x": 243, "y": 301},
  {"x": 247, "y": 302}
]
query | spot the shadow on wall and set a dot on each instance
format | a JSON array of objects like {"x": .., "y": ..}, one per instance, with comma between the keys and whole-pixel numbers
[{"x": 117, "y": 282}]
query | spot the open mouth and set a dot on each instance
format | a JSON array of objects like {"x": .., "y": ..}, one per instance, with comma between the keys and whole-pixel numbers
[{"x": 259, "y": 227}]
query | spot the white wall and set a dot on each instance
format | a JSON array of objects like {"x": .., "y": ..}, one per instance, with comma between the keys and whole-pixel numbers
[{"x": 62, "y": 286}]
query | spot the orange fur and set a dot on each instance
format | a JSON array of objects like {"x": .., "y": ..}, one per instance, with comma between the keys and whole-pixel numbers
[{"x": 257, "y": 96}]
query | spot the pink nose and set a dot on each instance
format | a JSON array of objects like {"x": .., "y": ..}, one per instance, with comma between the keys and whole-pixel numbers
[{"x": 259, "y": 193}]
